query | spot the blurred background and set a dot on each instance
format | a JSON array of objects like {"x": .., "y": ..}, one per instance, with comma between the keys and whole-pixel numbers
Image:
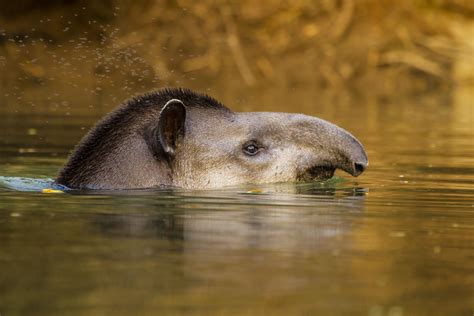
[
  {"x": 83, "y": 57},
  {"x": 397, "y": 240}
]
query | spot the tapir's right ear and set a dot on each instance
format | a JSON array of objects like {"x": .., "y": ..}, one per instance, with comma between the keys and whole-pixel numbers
[{"x": 171, "y": 125}]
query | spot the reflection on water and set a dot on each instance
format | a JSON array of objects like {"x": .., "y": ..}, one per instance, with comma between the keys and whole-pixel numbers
[{"x": 396, "y": 241}]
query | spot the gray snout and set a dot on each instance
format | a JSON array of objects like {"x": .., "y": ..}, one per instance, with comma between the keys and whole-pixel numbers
[
  {"x": 359, "y": 167},
  {"x": 354, "y": 157},
  {"x": 334, "y": 148},
  {"x": 355, "y": 168}
]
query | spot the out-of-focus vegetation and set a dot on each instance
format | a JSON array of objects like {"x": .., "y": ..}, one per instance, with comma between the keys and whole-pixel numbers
[{"x": 112, "y": 49}]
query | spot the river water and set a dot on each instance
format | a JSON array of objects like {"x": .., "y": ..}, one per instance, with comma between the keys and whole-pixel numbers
[{"x": 398, "y": 240}]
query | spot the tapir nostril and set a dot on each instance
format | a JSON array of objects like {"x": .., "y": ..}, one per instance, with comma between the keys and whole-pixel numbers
[{"x": 359, "y": 168}]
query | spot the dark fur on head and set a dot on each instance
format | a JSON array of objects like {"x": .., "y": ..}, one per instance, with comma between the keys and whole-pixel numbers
[{"x": 136, "y": 117}]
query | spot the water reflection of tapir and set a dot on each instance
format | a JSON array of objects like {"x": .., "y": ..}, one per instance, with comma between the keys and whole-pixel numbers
[
  {"x": 176, "y": 137},
  {"x": 222, "y": 220}
]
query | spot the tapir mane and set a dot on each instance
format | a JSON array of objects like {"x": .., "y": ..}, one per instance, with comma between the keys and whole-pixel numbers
[
  {"x": 139, "y": 111},
  {"x": 188, "y": 97},
  {"x": 146, "y": 107}
]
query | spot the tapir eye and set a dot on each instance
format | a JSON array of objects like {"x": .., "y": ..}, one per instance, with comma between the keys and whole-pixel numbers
[{"x": 251, "y": 148}]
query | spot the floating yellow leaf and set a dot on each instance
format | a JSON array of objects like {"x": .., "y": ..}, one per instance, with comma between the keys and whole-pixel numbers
[
  {"x": 254, "y": 191},
  {"x": 51, "y": 191}
]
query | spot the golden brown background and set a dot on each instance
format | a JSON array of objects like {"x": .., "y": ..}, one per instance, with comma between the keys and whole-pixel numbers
[{"x": 69, "y": 56}]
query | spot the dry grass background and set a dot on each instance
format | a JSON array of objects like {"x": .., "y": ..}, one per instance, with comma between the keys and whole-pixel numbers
[{"x": 383, "y": 48}]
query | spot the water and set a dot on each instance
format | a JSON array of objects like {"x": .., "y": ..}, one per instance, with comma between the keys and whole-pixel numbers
[{"x": 398, "y": 240}]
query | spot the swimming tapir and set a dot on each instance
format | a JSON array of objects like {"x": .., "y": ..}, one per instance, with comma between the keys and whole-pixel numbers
[{"x": 180, "y": 138}]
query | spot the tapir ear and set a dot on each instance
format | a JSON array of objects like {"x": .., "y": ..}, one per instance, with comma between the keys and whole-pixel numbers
[{"x": 171, "y": 125}]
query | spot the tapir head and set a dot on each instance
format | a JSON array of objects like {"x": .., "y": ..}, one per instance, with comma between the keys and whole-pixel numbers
[
  {"x": 209, "y": 148},
  {"x": 199, "y": 145}
]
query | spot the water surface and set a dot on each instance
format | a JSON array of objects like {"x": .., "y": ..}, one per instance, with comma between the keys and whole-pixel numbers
[{"x": 398, "y": 240}]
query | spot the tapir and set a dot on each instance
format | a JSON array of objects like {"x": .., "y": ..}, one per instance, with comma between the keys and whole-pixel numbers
[{"x": 176, "y": 137}]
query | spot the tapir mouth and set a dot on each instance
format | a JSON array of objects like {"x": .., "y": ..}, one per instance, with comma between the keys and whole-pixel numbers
[
  {"x": 325, "y": 172},
  {"x": 317, "y": 173}
]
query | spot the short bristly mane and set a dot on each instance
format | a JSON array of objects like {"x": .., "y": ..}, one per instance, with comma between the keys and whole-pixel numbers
[
  {"x": 125, "y": 121},
  {"x": 187, "y": 96}
]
